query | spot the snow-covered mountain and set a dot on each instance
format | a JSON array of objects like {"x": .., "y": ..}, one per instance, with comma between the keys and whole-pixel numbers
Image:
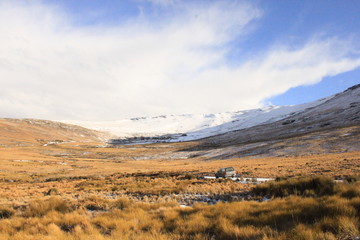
[
  {"x": 328, "y": 125},
  {"x": 187, "y": 127},
  {"x": 332, "y": 126}
]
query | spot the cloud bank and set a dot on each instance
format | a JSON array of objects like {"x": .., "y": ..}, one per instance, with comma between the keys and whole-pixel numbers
[{"x": 177, "y": 63}]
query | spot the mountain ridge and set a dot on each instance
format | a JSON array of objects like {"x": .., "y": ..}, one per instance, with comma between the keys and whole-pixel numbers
[
  {"x": 333, "y": 125},
  {"x": 189, "y": 127},
  {"x": 330, "y": 124}
]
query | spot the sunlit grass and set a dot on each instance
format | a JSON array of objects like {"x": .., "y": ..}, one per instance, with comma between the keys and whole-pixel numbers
[{"x": 334, "y": 215}]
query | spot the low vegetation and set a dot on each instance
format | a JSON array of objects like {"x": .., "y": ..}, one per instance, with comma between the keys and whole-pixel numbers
[
  {"x": 307, "y": 208},
  {"x": 318, "y": 186}
]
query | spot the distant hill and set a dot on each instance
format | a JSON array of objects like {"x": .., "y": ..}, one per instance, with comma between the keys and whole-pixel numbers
[{"x": 28, "y": 132}]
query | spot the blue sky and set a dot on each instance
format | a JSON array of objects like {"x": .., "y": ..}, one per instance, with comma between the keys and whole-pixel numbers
[{"x": 113, "y": 59}]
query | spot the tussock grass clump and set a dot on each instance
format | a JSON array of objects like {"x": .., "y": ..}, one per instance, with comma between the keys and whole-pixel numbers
[
  {"x": 6, "y": 212},
  {"x": 51, "y": 192},
  {"x": 352, "y": 178},
  {"x": 122, "y": 203},
  {"x": 42, "y": 207},
  {"x": 96, "y": 203},
  {"x": 318, "y": 186},
  {"x": 355, "y": 203},
  {"x": 349, "y": 191}
]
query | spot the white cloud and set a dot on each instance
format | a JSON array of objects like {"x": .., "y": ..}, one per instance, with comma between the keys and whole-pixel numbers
[{"x": 51, "y": 69}]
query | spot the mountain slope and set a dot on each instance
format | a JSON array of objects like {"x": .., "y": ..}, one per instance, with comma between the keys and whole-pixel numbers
[
  {"x": 28, "y": 132},
  {"x": 340, "y": 110},
  {"x": 331, "y": 126},
  {"x": 189, "y": 127}
]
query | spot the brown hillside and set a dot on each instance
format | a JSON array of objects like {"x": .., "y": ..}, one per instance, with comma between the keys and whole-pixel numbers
[{"x": 27, "y": 132}]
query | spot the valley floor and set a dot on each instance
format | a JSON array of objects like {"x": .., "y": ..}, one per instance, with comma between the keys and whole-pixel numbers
[{"x": 87, "y": 190}]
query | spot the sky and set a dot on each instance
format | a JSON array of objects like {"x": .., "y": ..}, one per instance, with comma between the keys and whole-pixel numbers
[{"x": 114, "y": 59}]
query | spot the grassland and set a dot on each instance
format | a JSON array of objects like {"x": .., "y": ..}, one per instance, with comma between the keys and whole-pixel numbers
[
  {"x": 71, "y": 185},
  {"x": 308, "y": 214}
]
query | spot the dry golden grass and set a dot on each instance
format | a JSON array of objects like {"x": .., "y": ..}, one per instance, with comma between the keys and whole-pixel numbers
[
  {"x": 40, "y": 150},
  {"x": 77, "y": 160},
  {"x": 328, "y": 217},
  {"x": 88, "y": 168},
  {"x": 32, "y": 152}
]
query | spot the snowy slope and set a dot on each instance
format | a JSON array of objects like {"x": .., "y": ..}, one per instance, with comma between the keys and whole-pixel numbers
[
  {"x": 331, "y": 126},
  {"x": 252, "y": 118},
  {"x": 173, "y": 128}
]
